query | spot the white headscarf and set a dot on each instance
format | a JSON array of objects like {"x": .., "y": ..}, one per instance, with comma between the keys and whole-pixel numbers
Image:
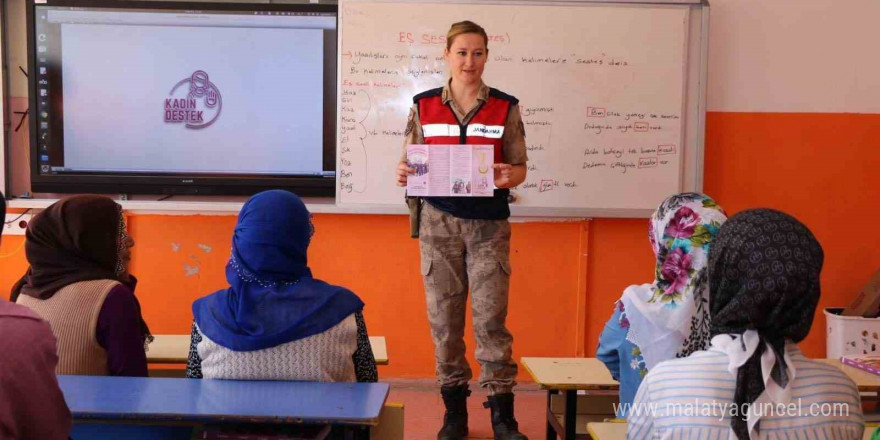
[
  {"x": 739, "y": 349},
  {"x": 671, "y": 315}
]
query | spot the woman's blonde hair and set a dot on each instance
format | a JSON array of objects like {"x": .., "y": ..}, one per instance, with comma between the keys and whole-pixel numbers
[{"x": 465, "y": 27}]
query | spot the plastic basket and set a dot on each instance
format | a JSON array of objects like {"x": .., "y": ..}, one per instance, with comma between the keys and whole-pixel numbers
[{"x": 850, "y": 335}]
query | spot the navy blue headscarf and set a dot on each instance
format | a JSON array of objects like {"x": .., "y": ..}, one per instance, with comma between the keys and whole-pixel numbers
[{"x": 272, "y": 298}]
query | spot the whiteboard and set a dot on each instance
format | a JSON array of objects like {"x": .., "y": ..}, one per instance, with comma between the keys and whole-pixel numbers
[{"x": 611, "y": 97}]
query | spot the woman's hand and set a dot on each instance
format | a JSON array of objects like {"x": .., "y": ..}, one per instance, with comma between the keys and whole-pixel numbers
[
  {"x": 403, "y": 170},
  {"x": 508, "y": 176}
]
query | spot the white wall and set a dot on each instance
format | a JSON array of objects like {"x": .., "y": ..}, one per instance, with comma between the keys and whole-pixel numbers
[
  {"x": 16, "y": 42},
  {"x": 2, "y": 94},
  {"x": 817, "y": 56},
  {"x": 2, "y": 120},
  {"x": 764, "y": 55}
]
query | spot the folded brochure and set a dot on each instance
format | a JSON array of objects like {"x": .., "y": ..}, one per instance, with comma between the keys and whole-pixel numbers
[{"x": 450, "y": 170}]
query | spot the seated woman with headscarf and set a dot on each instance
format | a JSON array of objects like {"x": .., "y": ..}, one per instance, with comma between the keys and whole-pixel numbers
[
  {"x": 78, "y": 281},
  {"x": 753, "y": 382},
  {"x": 669, "y": 317},
  {"x": 275, "y": 321}
]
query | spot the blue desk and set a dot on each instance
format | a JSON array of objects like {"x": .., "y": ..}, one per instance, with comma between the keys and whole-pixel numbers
[{"x": 193, "y": 402}]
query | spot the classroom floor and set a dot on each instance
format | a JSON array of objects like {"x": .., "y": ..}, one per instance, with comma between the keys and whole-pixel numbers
[{"x": 423, "y": 409}]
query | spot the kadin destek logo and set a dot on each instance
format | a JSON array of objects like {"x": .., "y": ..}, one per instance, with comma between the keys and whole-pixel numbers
[{"x": 194, "y": 101}]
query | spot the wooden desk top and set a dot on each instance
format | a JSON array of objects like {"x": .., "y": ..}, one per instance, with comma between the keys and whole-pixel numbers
[
  {"x": 864, "y": 380},
  {"x": 380, "y": 352},
  {"x": 569, "y": 373},
  {"x": 607, "y": 430},
  {"x": 157, "y": 400},
  {"x": 174, "y": 349},
  {"x": 591, "y": 374},
  {"x": 168, "y": 349}
]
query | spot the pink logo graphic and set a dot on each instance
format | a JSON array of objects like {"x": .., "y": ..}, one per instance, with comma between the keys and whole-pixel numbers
[{"x": 198, "y": 105}]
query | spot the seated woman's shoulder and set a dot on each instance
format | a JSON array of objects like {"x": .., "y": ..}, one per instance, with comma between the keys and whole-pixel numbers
[
  {"x": 699, "y": 360},
  {"x": 809, "y": 368},
  {"x": 12, "y": 311},
  {"x": 328, "y": 288},
  {"x": 21, "y": 326}
]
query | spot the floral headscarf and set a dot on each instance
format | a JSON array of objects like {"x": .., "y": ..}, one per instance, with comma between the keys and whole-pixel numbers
[{"x": 671, "y": 315}]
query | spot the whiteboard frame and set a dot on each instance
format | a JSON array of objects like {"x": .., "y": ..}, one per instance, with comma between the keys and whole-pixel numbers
[{"x": 694, "y": 127}]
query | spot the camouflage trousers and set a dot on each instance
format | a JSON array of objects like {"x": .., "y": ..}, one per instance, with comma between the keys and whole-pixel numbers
[{"x": 457, "y": 253}]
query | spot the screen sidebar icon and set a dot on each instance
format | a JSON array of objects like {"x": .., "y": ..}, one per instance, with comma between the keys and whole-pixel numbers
[{"x": 44, "y": 103}]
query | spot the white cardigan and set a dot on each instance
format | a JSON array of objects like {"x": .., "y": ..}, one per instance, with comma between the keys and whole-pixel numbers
[{"x": 325, "y": 357}]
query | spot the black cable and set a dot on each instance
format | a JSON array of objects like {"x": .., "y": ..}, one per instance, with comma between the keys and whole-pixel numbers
[
  {"x": 21, "y": 121},
  {"x": 24, "y": 113},
  {"x": 20, "y": 216},
  {"x": 165, "y": 197}
]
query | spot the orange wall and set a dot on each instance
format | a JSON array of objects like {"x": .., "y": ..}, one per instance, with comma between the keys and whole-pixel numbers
[
  {"x": 820, "y": 167},
  {"x": 373, "y": 256}
]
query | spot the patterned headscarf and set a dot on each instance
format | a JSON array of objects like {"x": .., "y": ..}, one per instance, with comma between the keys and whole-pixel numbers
[
  {"x": 670, "y": 315},
  {"x": 764, "y": 287}
]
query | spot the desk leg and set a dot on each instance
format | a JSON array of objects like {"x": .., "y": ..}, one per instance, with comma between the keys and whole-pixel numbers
[
  {"x": 359, "y": 433},
  {"x": 551, "y": 431},
  {"x": 570, "y": 414}
]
